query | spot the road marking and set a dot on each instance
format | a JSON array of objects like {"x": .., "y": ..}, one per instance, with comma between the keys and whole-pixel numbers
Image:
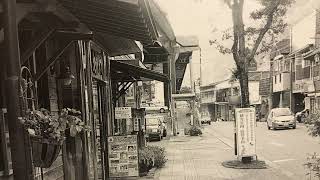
[
  {"x": 276, "y": 144},
  {"x": 283, "y": 160},
  {"x": 229, "y": 142}
]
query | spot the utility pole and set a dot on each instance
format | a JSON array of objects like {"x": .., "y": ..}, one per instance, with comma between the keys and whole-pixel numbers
[
  {"x": 291, "y": 71},
  {"x": 271, "y": 86},
  {"x": 20, "y": 148}
]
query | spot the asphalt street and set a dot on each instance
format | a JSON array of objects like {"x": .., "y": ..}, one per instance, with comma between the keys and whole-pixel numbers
[
  {"x": 285, "y": 149},
  {"x": 285, "y": 152}
]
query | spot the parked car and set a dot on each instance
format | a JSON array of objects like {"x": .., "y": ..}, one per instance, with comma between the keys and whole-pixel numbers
[
  {"x": 154, "y": 107},
  {"x": 281, "y": 118},
  {"x": 182, "y": 104},
  {"x": 155, "y": 128},
  {"x": 300, "y": 116},
  {"x": 205, "y": 120}
]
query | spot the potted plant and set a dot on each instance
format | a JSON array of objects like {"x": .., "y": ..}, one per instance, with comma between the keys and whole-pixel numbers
[{"x": 47, "y": 133}]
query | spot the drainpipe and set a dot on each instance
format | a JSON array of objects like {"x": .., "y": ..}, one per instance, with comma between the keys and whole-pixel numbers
[{"x": 20, "y": 148}]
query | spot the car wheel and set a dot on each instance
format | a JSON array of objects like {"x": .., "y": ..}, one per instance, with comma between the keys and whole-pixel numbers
[
  {"x": 293, "y": 127},
  {"x": 268, "y": 126},
  {"x": 162, "y": 110},
  {"x": 299, "y": 119}
]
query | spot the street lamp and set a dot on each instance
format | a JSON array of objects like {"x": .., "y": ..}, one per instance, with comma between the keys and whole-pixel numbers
[{"x": 66, "y": 76}]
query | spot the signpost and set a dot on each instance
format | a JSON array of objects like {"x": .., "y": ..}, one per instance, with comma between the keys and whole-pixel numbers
[
  {"x": 123, "y": 156},
  {"x": 245, "y": 133},
  {"x": 123, "y": 113}
]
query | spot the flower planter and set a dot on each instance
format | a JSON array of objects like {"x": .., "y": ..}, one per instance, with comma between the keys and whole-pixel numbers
[{"x": 44, "y": 151}]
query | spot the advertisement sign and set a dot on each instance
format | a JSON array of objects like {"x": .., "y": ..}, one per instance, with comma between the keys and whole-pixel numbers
[
  {"x": 245, "y": 132},
  {"x": 123, "y": 156},
  {"x": 123, "y": 113}
]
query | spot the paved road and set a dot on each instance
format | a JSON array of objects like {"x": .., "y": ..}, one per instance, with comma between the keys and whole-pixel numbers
[
  {"x": 200, "y": 158},
  {"x": 284, "y": 149}
]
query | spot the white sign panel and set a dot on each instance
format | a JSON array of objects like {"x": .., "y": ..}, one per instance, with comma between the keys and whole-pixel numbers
[
  {"x": 245, "y": 129},
  {"x": 123, "y": 156},
  {"x": 123, "y": 113}
]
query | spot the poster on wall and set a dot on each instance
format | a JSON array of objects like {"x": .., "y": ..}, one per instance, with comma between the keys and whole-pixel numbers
[
  {"x": 245, "y": 130},
  {"x": 123, "y": 156}
]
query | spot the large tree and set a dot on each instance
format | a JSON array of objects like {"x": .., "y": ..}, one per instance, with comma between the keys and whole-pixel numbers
[{"x": 248, "y": 41}]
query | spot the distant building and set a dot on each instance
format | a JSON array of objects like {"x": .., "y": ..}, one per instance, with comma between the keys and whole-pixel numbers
[{"x": 215, "y": 97}]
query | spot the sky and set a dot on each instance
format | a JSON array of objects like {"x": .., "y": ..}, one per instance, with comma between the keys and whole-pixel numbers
[{"x": 206, "y": 19}]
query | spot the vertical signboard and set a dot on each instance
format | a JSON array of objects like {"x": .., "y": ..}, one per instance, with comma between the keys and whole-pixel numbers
[
  {"x": 245, "y": 130},
  {"x": 123, "y": 156}
]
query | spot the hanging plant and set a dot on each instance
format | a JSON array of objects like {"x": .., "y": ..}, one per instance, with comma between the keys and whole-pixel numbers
[
  {"x": 75, "y": 125},
  {"x": 47, "y": 133},
  {"x": 42, "y": 123}
]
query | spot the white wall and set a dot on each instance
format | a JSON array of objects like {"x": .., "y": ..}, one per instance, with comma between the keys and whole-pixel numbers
[
  {"x": 159, "y": 92},
  {"x": 284, "y": 84}
]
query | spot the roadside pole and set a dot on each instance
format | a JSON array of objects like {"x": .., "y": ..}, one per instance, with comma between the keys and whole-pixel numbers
[{"x": 271, "y": 87}]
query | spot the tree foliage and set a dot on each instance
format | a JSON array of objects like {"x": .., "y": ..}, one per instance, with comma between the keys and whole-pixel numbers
[{"x": 248, "y": 41}]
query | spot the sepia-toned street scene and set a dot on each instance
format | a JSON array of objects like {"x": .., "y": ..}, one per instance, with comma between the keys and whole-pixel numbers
[{"x": 159, "y": 89}]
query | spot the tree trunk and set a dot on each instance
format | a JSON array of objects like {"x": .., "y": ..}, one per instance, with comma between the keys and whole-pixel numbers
[{"x": 244, "y": 85}]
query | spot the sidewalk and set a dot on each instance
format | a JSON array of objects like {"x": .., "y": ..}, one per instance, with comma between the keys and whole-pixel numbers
[{"x": 200, "y": 158}]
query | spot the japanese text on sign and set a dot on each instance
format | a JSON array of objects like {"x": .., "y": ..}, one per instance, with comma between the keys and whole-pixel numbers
[
  {"x": 245, "y": 129},
  {"x": 123, "y": 113}
]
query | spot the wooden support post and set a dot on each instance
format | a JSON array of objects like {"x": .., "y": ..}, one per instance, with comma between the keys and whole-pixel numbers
[{"x": 21, "y": 155}]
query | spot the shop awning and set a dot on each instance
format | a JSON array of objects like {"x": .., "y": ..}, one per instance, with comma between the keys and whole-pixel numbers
[
  {"x": 155, "y": 53},
  {"x": 310, "y": 55},
  {"x": 122, "y": 71},
  {"x": 184, "y": 97},
  {"x": 116, "y": 46},
  {"x": 129, "y": 19},
  {"x": 181, "y": 66}
]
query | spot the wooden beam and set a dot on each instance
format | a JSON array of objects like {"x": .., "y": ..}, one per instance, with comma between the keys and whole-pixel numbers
[
  {"x": 125, "y": 19},
  {"x": 113, "y": 21},
  {"x": 128, "y": 28},
  {"x": 46, "y": 34},
  {"x": 53, "y": 59},
  {"x": 120, "y": 33},
  {"x": 74, "y": 35}
]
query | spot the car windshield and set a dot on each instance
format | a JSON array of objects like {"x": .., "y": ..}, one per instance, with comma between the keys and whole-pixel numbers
[
  {"x": 282, "y": 112},
  {"x": 152, "y": 121}
]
